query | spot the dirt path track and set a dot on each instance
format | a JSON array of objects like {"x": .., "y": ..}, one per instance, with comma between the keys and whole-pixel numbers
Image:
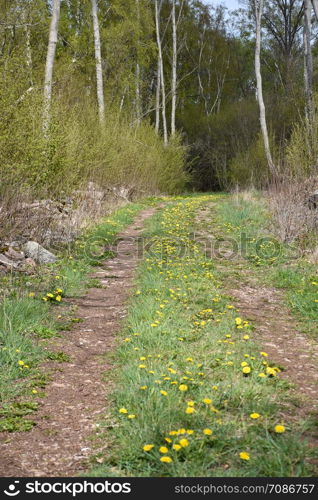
[{"x": 60, "y": 444}]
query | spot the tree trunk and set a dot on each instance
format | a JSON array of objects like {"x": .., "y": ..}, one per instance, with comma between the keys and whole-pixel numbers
[
  {"x": 50, "y": 63},
  {"x": 28, "y": 50},
  {"x": 138, "y": 94},
  {"x": 308, "y": 70},
  {"x": 174, "y": 70},
  {"x": 315, "y": 6},
  {"x": 98, "y": 63},
  {"x": 258, "y": 10},
  {"x": 158, "y": 97},
  {"x": 162, "y": 80}
]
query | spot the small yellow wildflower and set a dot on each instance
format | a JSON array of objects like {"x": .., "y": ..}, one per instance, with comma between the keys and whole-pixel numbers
[
  {"x": 190, "y": 410},
  {"x": 176, "y": 447},
  {"x": 244, "y": 455},
  {"x": 279, "y": 428},
  {"x": 183, "y": 387},
  {"x": 163, "y": 449},
  {"x": 164, "y": 393},
  {"x": 207, "y": 401},
  {"x": 207, "y": 432},
  {"x": 166, "y": 460},
  {"x": 123, "y": 410},
  {"x": 184, "y": 442},
  {"x": 255, "y": 415},
  {"x": 148, "y": 447}
]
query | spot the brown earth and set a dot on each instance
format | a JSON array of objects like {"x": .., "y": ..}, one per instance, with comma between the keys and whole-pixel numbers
[{"x": 61, "y": 442}]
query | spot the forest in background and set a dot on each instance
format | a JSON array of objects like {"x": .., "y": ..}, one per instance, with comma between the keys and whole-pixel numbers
[{"x": 174, "y": 83}]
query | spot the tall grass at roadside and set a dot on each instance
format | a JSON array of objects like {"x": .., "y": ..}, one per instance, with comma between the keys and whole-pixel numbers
[{"x": 194, "y": 395}]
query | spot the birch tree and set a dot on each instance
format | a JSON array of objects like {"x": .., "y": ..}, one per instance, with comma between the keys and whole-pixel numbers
[
  {"x": 258, "y": 11},
  {"x": 315, "y": 6},
  {"x": 174, "y": 69},
  {"x": 98, "y": 63},
  {"x": 308, "y": 65},
  {"x": 157, "y": 105},
  {"x": 138, "y": 94},
  {"x": 160, "y": 64},
  {"x": 50, "y": 58}
]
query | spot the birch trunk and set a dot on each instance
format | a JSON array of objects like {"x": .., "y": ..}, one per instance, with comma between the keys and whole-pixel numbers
[
  {"x": 258, "y": 10},
  {"x": 158, "y": 98},
  {"x": 98, "y": 64},
  {"x": 308, "y": 69},
  {"x": 28, "y": 50},
  {"x": 162, "y": 80},
  {"x": 315, "y": 6},
  {"x": 174, "y": 70},
  {"x": 50, "y": 63},
  {"x": 138, "y": 94}
]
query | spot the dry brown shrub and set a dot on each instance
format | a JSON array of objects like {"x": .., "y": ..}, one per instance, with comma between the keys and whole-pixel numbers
[{"x": 293, "y": 217}]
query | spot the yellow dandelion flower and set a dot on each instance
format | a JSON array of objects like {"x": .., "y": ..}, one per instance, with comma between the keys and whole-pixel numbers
[
  {"x": 255, "y": 416},
  {"x": 184, "y": 442},
  {"x": 164, "y": 393},
  {"x": 131, "y": 416},
  {"x": 183, "y": 387},
  {"x": 176, "y": 447},
  {"x": 123, "y": 410},
  {"x": 207, "y": 401},
  {"x": 246, "y": 370},
  {"x": 244, "y": 455},
  {"x": 163, "y": 449},
  {"x": 207, "y": 432},
  {"x": 166, "y": 460},
  {"x": 279, "y": 428},
  {"x": 148, "y": 447},
  {"x": 190, "y": 410}
]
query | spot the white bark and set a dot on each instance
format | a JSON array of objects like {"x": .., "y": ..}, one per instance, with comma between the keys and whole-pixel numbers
[
  {"x": 50, "y": 63},
  {"x": 174, "y": 70},
  {"x": 162, "y": 80},
  {"x": 98, "y": 64},
  {"x": 308, "y": 69},
  {"x": 28, "y": 50},
  {"x": 138, "y": 93},
  {"x": 258, "y": 10},
  {"x": 158, "y": 87},
  {"x": 315, "y": 6}
]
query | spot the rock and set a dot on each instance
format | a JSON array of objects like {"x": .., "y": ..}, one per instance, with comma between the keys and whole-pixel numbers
[
  {"x": 38, "y": 253},
  {"x": 14, "y": 255},
  {"x": 27, "y": 265},
  {"x": 313, "y": 200},
  {"x": 4, "y": 261}
]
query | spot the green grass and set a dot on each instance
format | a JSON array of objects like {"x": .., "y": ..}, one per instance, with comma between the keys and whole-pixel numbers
[
  {"x": 27, "y": 321},
  {"x": 183, "y": 333}
]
